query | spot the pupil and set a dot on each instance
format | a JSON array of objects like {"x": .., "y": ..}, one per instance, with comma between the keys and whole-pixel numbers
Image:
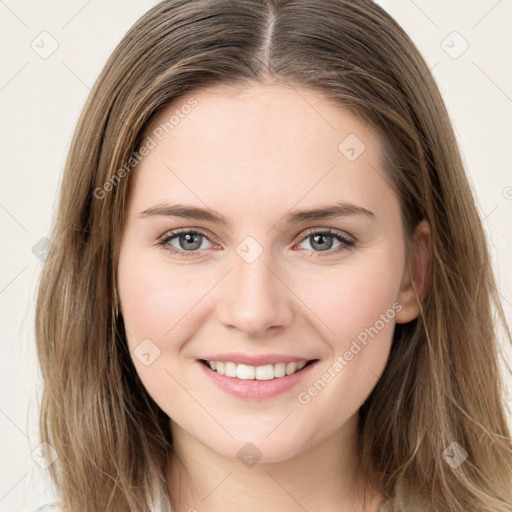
[
  {"x": 322, "y": 247},
  {"x": 192, "y": 241},
  {"x": 188, "y": 238}
]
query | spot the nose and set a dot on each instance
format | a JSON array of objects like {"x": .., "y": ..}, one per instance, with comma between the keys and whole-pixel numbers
[{"x": 254, "y": 298}]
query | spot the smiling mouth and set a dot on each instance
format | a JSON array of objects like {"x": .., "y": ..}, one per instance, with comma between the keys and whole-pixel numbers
[{"x": 264, "y": 372}]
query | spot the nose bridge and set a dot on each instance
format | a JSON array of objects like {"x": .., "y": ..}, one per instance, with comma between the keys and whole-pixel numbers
[{"x": 253, "y": 298}]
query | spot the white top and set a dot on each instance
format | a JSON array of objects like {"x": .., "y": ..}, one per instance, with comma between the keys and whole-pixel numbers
[
  {"x": 48, "y": 507},
  {"x": 386, "y": 507},
  {"x": 53, "y": 507}
]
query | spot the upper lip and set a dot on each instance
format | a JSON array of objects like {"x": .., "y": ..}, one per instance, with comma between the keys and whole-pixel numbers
[{"x": 256, "y": 360}]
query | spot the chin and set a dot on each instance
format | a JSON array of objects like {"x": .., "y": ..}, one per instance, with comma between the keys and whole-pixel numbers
[{"x": 252, "y": 446}]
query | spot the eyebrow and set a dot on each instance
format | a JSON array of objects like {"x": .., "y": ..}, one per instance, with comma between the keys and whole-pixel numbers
[{"x": 341, "y": 209}]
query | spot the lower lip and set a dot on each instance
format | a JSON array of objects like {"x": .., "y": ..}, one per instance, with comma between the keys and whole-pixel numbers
[{"x": 256, "y": 389}]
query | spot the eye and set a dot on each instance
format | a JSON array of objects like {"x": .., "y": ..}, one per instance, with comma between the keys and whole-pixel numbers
[
  {"x": 185, "y": 242},
  {"x": 325, "y": 240},
  {"x": 189, "y": 242}
]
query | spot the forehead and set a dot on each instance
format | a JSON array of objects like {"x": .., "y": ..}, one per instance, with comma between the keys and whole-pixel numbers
[
  {"x": 275, "y": 142},
  {"x": 257, "y": 114}
]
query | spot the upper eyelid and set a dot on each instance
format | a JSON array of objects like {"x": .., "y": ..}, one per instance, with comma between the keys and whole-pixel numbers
[
  {"x": 175, "y": 232},
  {"x": 304, "y": 234},
  {"x": 330, "y": 231}
]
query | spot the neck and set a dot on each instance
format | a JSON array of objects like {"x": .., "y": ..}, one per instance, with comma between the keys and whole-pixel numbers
[{"x": 323, "y": 477}]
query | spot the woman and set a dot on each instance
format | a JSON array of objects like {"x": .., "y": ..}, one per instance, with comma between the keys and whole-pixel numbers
[{"x": 269, "y": 287}]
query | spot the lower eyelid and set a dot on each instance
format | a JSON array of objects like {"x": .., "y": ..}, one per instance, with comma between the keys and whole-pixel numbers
[
  {"x": 172, "y": 236},
  {"x": 344, "y": 239},
  {"x": 342, "y": 247},
  {"x": 345, "y": 242}
]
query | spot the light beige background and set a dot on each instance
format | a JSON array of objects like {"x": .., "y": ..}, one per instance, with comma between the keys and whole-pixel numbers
[{"x": 41, "y": 99}]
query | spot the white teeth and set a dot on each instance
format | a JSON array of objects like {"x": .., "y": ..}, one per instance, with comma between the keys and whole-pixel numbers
[
  {"x": 280, "y": 370},
  {"x": 230, "y": 369},
  {"x": 245, "y": 372},
  {"x": 265, "y": 372},
  {"x": 290, "y": 368},
  {"x": 248, "y": 372}
]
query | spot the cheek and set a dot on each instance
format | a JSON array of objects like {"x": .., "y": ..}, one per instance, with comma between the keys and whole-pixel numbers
[
  {"x": 156, "y": 307},
  {"x": 162, "y": 305},
  {"x": 358, "y": 304},
  {"x": 156, "y": 299},
  {"x": 351, "y": 298}
]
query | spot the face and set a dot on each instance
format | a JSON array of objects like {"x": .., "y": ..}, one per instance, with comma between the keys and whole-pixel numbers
[{"x": 261, "y": 233}]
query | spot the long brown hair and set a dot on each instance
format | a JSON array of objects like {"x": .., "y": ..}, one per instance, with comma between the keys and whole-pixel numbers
[{"x": 442, "y": 383}]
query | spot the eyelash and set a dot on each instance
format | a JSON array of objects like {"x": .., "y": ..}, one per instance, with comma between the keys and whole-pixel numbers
[{"x": 346, "y": 242}]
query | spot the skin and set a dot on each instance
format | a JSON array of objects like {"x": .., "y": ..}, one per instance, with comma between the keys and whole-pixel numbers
[{"x": 253, "y": 155}]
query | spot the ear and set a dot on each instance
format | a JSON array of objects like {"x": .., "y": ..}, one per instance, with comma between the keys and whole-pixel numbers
[{"x": 416, "y": 274}]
